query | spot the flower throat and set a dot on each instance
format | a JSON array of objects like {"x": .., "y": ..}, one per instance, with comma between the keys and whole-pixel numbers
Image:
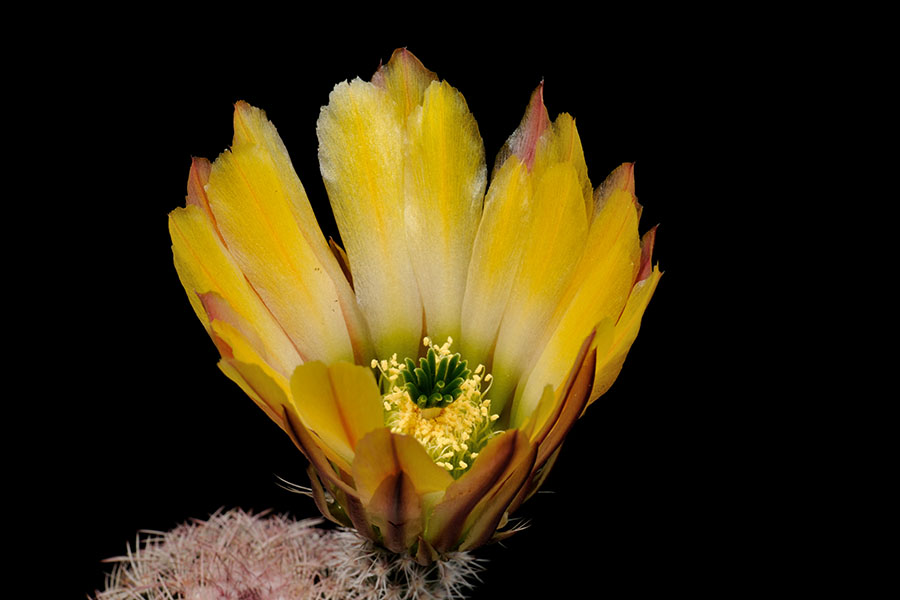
[{"x": 439, "y": 402}]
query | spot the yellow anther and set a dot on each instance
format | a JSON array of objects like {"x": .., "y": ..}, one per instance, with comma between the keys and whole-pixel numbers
[{"x": 374, "y": 363}]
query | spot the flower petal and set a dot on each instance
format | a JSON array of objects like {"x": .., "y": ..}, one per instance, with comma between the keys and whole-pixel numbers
[
  {"x": 487, "y": 514},
  {"x": 498, "y": 248},
  {"x": 340, "y": 403},
  {"x": 449, "y": 516},
  {"x": 381, "y": 453},
  {"x": 345, "y": 495},
  {"x": 445, "y": 181},
  {"x": 204, "y": 265},
  {"x": 361, "y": 157},
  {"x": 397, "y": 481},
  {"x": 554, "y": 240},
  {"x": 264, "y": 216},
  {"x": 597, "y": 293},
  {"x": 609, "y": 364}
]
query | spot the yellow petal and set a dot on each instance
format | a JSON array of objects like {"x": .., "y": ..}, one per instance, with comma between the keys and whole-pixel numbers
[
  {"x": 340, "y": 403},
  {"x": 361, "y": 156},
  {"x": 498, "y": 248},
  {"x": 609, "y": 365},
  {"x": 381, "y": 453},
  {"x": 444, "y": 192},
  {"x": 205, "y": 265},
  {"x": 597, "y": 293},
  {"x": 266, "y": 221},
  {"x": 554, "y": 242},
  {"x": 567, "y": 148},
  {"x": 261, "y": 388}
]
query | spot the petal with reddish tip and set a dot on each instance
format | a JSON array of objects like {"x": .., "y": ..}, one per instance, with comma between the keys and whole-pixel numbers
[
  {"x": 526, "y": 138},
  {"x": 445, "y": 183},
  {"x": 361, "y": 157},
  {"x": 264, "y": 216},
  {"x": 340, "y": 403}
]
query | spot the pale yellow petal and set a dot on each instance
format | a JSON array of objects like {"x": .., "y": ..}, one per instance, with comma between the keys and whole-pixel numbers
[
  {"x": 264, "y": 217},
  {"x": 340, "y": 403},
  {"x": 445, "y": 181},
  {"x": 554, "y": 241},
  {"x": 361, "y": 157},
  {"x": 205, "y": 265},
  {"x": 567, "y": 148}
]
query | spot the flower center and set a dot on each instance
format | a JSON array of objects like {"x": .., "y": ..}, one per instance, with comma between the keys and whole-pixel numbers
[{"x": 440, "y": 403}]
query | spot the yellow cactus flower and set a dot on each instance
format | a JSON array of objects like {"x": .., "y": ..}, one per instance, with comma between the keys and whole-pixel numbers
[{"x": 430, "y": 370}]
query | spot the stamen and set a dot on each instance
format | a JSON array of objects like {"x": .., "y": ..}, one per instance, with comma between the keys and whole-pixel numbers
[{"x": 440, "y": 402}]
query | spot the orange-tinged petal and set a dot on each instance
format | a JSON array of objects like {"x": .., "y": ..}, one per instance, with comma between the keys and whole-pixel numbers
[
  {"x": 361, "y": 157},
  {"x": 445, "y": 183},
  {"x": 526, "y": 139},
  {"x": 264, "y": 216},
  {"x": 340, "y": 403}
]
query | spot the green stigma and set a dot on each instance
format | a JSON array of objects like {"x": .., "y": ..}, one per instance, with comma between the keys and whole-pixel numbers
[{"x": 436, "y": 382}]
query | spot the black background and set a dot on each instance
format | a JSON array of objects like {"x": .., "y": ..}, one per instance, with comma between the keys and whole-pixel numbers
[{"x": 645, "y": 496}]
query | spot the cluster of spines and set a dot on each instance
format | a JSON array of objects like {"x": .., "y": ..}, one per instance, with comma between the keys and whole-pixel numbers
[{"x": 237, "y": 556}]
